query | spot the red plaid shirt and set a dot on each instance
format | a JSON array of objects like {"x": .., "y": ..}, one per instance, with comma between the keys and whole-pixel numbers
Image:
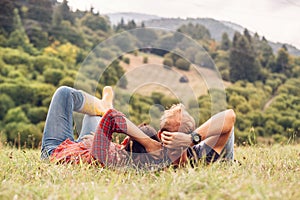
[{"x": 101, "y": 148}]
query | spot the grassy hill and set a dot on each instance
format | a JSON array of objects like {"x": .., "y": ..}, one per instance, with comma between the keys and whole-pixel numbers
[{"x": 145, "y": 78}]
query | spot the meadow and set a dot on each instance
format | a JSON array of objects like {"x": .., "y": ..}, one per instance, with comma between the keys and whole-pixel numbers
[{"x": 262, "y": 172}]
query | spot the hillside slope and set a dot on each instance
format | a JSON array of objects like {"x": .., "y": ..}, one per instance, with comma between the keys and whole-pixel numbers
[{"x": 153, "y": 77}]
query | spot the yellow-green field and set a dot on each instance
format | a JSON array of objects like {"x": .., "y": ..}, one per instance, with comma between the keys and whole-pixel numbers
[{"x": 265, "y": 173}]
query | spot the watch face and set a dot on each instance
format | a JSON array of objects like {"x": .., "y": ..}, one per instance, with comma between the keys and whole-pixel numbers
[{"x": 197, "y": 138}]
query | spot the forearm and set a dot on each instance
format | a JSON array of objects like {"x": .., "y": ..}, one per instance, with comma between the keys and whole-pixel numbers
[
  {"x": 135, "y": 133},
  {"x": 218, "y": 124}
]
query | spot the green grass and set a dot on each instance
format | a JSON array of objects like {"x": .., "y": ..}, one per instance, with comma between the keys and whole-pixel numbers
[{"x": 265, "y": 173}]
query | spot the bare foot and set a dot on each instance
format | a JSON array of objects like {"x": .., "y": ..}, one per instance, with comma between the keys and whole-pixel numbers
[{"x": 107, "y": 98}]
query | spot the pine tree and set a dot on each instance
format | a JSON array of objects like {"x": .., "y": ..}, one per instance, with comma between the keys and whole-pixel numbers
[
  {"x": 41, "y": 11},
  {"x": 66, "y": 12},
  {"x": 243, "y": 65},
  {"x": 282, "y": 62},
  {"x": 19, "y": 38},
  {"x": 247, "y": 35},
  {"x": 6, "y": 16},
  {"x": 225, "y": 43}
]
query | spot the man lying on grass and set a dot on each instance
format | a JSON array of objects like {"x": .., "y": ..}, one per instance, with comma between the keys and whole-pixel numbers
[{"x": 59, "y": 145}]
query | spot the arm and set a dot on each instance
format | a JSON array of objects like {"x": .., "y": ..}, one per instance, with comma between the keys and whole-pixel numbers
[
  {"x": 218, "y": 125},
  {"x": 114, "y": 121},
  {"x": 151, "y": 146}
]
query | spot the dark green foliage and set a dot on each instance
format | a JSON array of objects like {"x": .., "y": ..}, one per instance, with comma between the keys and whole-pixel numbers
[
  {"x": 6, "y": 103},
  {"x": 41, "y": 63},
  {"x": 62, "y": 12},
  {"x": 282, "y": 62},
  {"x": 243, "y": 65},
  {"x": 225, "y": 43},
  {"x": 16, "y": 115},
  {"x": 122, "y": 26},
  {"x": 66, "y": 32},
  {"x": 197, "y": 31},
  {"x": 112, "y": 75},
  {"x": 14, "y": 57},
  {"x": 37, "y": 114},
  {"x": 6, "y": 16},
  {"x": 20, "y": 93},
  {"x": 37, "y": 36},
  {"x": 126, "y": 60},
  {"x": 168, "y": 62},
  {"x": 145, "y": 59},
  {"x": 53, "y": 76},
  {"x": 23, "y": 134},
  {"x": 182, "y": 64},
  {"x": 40, "y": 10},
  {"x": 95, "y": 22}
]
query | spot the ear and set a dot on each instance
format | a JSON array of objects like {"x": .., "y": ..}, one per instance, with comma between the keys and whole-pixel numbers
[{"x": 159, "y": 134}]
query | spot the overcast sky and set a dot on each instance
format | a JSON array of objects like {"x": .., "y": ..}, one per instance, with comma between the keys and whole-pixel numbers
[{"x": 277, "y": 20}]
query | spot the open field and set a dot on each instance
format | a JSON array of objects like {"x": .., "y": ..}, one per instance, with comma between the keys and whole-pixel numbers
[
  {"x": 271, "y": 172},
  {"x": 152, "y": 76}
]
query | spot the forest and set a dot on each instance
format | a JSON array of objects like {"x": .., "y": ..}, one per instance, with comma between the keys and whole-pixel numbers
[{"x": 43, "y": 44}]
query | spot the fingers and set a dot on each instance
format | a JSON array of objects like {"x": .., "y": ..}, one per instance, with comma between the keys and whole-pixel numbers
[
  {"x": 86, "y": 137},
  {"x": 167, "y": 139}
]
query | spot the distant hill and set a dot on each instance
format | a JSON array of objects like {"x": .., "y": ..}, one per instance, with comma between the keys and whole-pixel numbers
[
  {"x": 115, "y": 18},
  {"x": 216, "y": 28}
]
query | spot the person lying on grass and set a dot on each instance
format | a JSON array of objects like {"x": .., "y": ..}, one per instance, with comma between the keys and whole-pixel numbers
[
  {"x": 59, "y": 144},
  {"x": 212, "y": 141}
]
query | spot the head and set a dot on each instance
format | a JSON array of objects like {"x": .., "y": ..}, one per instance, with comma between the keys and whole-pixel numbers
[
  {"x": 177, "y": 119},
  {"x": 136, "y": 148}
]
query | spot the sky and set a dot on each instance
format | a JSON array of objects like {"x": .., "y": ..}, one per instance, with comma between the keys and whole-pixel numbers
[{"x": 277, "y": 20}]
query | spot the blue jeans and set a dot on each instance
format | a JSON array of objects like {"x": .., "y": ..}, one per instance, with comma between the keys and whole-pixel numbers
[{"x": 59, "y": 121}]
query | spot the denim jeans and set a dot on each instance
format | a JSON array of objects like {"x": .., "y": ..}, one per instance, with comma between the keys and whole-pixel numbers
[{"x": 59, "y": 121}]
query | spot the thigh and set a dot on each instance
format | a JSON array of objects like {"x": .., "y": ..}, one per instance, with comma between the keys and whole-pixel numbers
[{"x": 59, "y": 121}]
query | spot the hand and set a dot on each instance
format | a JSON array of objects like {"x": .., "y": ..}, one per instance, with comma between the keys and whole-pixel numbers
[
  {"x": 155, "y": 149},
  {"x": 176, "y": 140},
  {"x": 89, "y": 136}
]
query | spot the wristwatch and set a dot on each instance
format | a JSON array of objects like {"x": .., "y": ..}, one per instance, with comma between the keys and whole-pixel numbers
[{"x": 196, "y": 138}]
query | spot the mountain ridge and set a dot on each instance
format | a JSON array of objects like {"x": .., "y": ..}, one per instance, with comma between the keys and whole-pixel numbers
[{"x": 216, "y": 27}]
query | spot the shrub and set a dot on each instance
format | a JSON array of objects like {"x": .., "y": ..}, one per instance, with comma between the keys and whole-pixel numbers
[
  {"x": 182, "y": 64},
  {"x": 40, "y": 63},
  {"x": 16, "y": 115},
  {"x": 168, "y": 62},
  {"x": 20, "y": 93},
  {"x": 126, "y": 60},
  {"x": 23, "y": 134},
  {"x": 53, "y": 76},
  {"x": 14, "y": 57},
  {"x": 41, "y": 92},
  {"x": 145, "y": 59},
  {"x": 5, "y": 104},
  {"x": 37, "y": 114},
  {"x": 280, "y": 139},
  {"x": 67, "y": 81}
]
